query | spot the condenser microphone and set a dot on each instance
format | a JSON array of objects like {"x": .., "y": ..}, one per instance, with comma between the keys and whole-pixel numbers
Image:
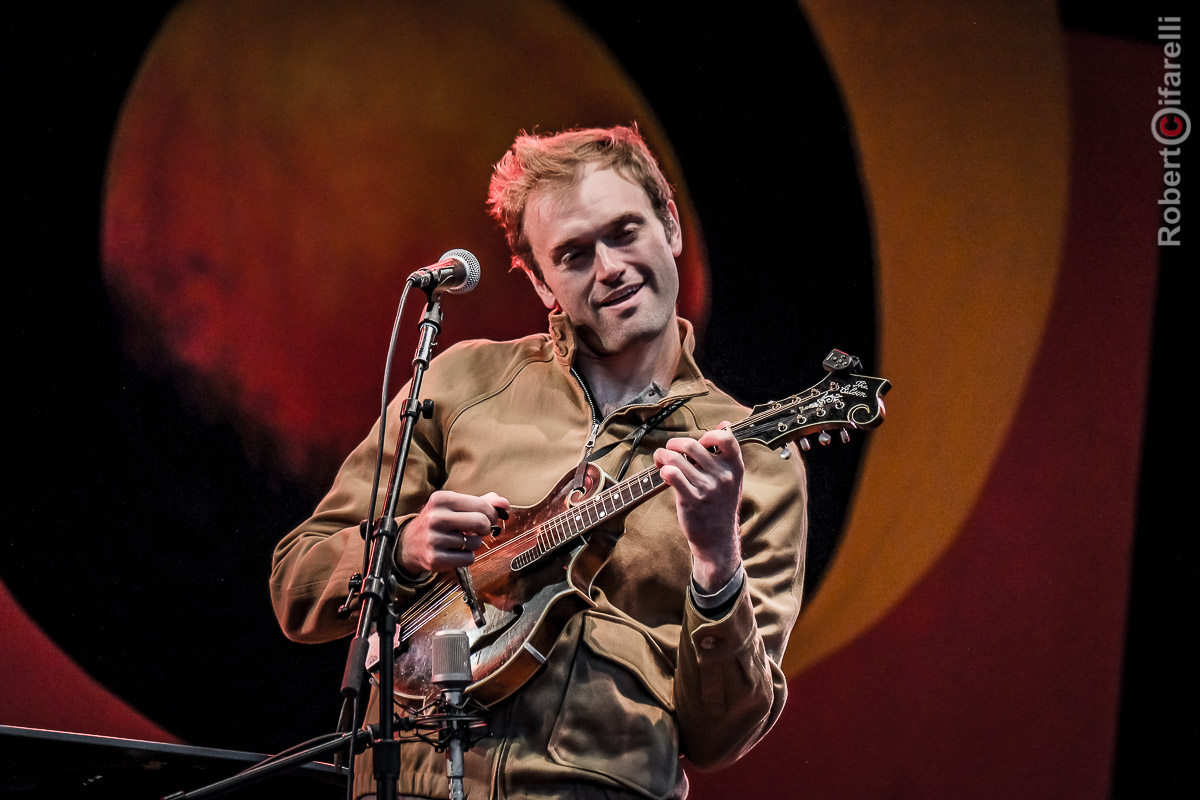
[
  {"x": 457, "y": 272},
  {"x": 452, "y": 675}
]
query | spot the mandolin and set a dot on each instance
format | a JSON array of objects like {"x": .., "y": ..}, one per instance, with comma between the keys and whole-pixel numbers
[{"x": 536, "y": 573}]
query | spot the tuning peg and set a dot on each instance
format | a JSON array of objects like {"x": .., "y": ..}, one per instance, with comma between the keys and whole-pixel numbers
[
  {"x": 824, "y": 438},
  {"x": 845, "y": 436},
  {"x": 804, "y": 445},
  {"x": 785, "y": 454},
  {"x": 837, "y": 361}
]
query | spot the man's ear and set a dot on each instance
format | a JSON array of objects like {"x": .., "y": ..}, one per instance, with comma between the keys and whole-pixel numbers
[
  {"x": 675, "y": 234},
  {"x": 543, "y": 291}
]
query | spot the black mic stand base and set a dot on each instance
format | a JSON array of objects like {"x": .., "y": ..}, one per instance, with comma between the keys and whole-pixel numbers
[{"x": 275, "y": 765}]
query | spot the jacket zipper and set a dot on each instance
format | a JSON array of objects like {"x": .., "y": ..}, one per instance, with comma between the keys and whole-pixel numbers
[
  {"x": 587, "y": 395},
  {"x": 577, "y": 484}
]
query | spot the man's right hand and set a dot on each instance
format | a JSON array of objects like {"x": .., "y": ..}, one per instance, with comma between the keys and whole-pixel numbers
[{"x": 448, "y": 531}]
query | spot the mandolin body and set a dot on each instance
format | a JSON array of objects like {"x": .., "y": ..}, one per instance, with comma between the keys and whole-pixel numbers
[{"x": 525, "y": 609}]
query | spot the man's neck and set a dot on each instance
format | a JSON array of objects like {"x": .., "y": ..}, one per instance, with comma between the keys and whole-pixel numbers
[{"x": 613, "y": 379}]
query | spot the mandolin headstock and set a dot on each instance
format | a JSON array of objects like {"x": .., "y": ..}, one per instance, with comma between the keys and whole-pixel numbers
[{"x": 843, "y": 401}]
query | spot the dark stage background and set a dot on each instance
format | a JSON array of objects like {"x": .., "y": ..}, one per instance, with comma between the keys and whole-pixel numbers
[{"x": 209, "y": 243}]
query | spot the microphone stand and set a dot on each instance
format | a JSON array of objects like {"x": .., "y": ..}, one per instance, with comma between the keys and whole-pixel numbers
[
  {"x": 375, "y": 612},
  {"x": 375, "y": 607}
]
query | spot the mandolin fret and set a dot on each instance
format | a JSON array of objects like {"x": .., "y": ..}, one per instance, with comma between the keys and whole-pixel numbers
[
  {"x": 571, "y": 524},
  {"x": 559, "y": 530}
]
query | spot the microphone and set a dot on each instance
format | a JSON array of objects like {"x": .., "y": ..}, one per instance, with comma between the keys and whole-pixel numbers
[
  {"x": 457, "y": 272},
  {"x": 452, "y": 674}
]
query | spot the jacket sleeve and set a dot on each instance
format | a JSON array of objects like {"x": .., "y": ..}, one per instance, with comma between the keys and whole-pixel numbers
[
  {"x": 729, "y": 685},
  {"x": 313, "y": 564}
]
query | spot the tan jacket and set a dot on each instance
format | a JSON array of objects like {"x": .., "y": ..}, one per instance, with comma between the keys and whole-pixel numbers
[{"x": 644, "y": 677}]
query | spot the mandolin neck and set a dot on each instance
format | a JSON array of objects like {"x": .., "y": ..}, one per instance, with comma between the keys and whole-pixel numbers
[
  {"x": 585, "y": 516},
  {"x": 611, "y": 502}
]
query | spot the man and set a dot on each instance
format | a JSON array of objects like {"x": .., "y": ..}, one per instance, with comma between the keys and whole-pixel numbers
[{"x": 680, "y": 655}]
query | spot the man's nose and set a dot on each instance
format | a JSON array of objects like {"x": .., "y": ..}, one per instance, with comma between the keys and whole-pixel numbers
[{"x": 609, "y": 266}]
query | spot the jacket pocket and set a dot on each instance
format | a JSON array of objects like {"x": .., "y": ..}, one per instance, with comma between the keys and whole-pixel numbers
[{"x": 617, "y": 720}]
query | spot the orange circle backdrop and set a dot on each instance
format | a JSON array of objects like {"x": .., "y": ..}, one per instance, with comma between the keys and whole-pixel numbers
[{"x": 279, "y": 167}]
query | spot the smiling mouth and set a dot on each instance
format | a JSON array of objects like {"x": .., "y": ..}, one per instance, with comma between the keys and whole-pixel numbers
[{"x": 620, "y": 296}]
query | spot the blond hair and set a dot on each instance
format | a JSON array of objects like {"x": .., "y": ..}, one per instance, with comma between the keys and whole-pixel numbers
[{"x": 562, "y": 159}]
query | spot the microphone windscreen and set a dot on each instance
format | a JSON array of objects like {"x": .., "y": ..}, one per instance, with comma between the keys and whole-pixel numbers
[
  {"x": 451, "y": 659},
  {"x": 468, "y": 260}
]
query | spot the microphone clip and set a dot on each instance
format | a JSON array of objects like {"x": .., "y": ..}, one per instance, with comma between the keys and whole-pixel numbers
[{"x": 442, "y": 721}]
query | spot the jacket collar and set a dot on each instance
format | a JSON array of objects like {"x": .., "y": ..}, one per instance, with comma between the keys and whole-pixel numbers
[{"x": 687, "y": 379}]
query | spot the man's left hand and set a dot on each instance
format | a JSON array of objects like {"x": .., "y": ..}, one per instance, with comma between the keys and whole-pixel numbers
[{"x": 706, "y": 474}]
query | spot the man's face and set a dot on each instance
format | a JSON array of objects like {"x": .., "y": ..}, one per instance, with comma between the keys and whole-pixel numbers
[{"x": 606, "y": 259}]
